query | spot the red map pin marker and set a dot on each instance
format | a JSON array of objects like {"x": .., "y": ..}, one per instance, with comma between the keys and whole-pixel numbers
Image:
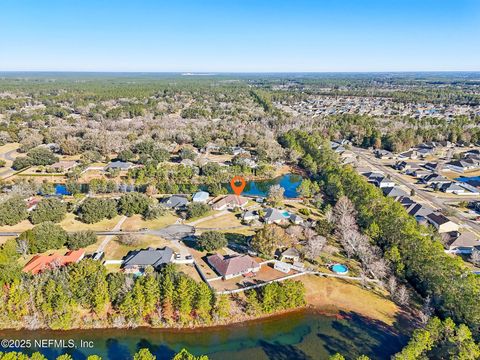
[{"x": 237, "y": 189}]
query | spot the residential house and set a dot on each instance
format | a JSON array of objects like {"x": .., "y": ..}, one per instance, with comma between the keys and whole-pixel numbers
[
  {"x": 435, "y": 179},
  {"x": 460, "y": 243},
  {"x": 433, "y": 166},
  {"x": 296, "y": 219},
  {"x": 120, "y": 165},
  {"x": 250, "y": 216},
  {"x": 282, "y": 266},
  {"x": 201, "y": 197},
  {"x": 63, "y": 166},
  {"x": 411, "y": 154},
  {"x": 463, "y": 165},
  {"x": 230, "y": 202},
  {"x": 41, "y": 263},
  {"x": 137, "y": 260},
  {"x": 442, "y": 223},
  {"x": 451, "y": 188},
  {"x": 176, "y": 202},
  {"x": 276, "y": 216},
  {"x": 419, "y": 173},
  {"x": 290, "y": 254},
  {"x": 233, "y": 266},
  {"x": 394, "y": 192},
  {"x": 383, "y": 154}
]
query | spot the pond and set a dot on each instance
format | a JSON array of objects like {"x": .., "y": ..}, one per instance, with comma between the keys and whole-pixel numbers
[
  {"x": 289, "y": 182},
  {"x": 300, "y": 335},
  {"x": 61, "y": 189}
]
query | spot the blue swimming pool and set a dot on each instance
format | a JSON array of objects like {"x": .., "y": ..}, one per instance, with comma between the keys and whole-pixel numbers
[
  {"x": 62, "y": 190},
  {"x": 339, "y": 269}
]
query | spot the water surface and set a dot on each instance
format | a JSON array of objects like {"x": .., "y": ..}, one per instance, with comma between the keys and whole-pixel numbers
[{"x": 302, "y": 335}]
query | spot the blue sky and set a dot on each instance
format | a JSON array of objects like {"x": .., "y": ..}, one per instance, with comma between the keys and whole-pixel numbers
[{"x": 240, "y": 35}]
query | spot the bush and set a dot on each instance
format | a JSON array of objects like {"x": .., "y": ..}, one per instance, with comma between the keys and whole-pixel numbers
[
  {"x": 196, "y": 210},
  {"x": 154, "y": 211},
  {"x": 42, "y": 156},
  {"x": 43, "y": 237},
  {"x": 93, "y": 210},
  {"x": 128, "y": 239},
  {"x": 49, "y": 209},
  {"x": 12, "y": 211},
  {"x": 133, "y": 203},
  {"x": 81, "y": 239},
  {"x": 21, "y": 163},
  {"x": 212, "y": 240}
]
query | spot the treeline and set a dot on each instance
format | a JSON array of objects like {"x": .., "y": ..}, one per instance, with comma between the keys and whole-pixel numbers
[
  {"x": 276, "y": 296},
  {"x": 142, "y": 354},
  {"x": 368, "y": 131},
  {"x": 56, "y": 298},
  {"x": 413, "y": 252}
]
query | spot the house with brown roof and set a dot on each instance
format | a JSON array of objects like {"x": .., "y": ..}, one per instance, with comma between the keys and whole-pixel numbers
[
  {"x": 63, "y": 165},
  {"x": 230, "y": 202},
  {"x": 233, "y": 266},
  {"x": 41, "y": 263}
]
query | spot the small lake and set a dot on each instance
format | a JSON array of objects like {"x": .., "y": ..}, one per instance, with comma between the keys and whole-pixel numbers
[
  {"x": 289, "y": 182},
  {"x": 302, "y": 335},
  {"x": 471, "y": 180}
]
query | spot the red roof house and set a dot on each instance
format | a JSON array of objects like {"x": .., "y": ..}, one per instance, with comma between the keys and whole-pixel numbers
[
  {"x": 40, "y": 263},
  {"x": 230, "y": 267},
  {"x": 230, "y": 202}
]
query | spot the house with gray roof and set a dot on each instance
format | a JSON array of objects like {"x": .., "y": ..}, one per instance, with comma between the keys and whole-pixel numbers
[
  {"x": 275, "y": 216},
  {"x": 201, "y": 197},
  {"x": 394, "y": 191},
  {"x": 137, "y": 260},
  {"x": 120, "y": 165},
  {"x": 460, "y": 243},
  {"x": 176, "y": 202}
]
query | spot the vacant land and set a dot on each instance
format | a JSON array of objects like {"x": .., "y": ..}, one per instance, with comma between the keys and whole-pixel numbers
[{"x": 333, "y": 295}]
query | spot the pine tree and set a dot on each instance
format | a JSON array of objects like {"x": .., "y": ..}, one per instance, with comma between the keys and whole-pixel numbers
[
  {"x": 222, "y": 307},
  {"x": 203, "y": 301}
]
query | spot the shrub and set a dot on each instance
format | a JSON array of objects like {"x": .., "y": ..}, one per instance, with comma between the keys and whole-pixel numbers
[
  {"x": 43, "y": 237},
  {"x": 12, "y": 211},
  {"x": 212, "y": 240},
  {"x": 93, "y": 210},
  {"x": 196, "y": 210},
  {"x": 133, "y": 203},
  {"x": 81, "y": 239}
]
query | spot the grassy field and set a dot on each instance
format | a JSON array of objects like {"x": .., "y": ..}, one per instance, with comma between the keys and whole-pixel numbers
[
  {"x": 334, "y": 295},
  {"x": 136, "y": 222},
  {"x": 224, "y": 221},
  {"x": 20, "y": 227},
  {"x": 70, "y": 223},
  {"x": 115, "y": 250}
]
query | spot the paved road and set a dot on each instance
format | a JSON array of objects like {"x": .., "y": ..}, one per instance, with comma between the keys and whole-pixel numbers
[
  {"x": 426, "y": 197},
  {"x": 115, "y": 230},
  {"x": 9, "y": 157}
]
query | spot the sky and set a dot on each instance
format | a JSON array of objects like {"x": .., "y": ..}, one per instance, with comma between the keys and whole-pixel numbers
[{"x": 240, "y": 35}]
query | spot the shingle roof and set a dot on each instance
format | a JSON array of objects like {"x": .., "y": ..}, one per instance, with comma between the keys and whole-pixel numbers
[
  {"x": 146, "y": 257},
  {"x": 232, "y": 265}
]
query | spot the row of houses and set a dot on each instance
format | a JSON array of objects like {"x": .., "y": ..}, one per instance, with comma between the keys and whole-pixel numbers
[
  {"x": 428, "y": 174},
  {"x": 453, "y": 240}
]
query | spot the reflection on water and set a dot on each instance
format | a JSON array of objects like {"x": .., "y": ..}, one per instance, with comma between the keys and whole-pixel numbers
[
  {"x": 289, "y": 182},
  {"x": 301, "y": 335}
]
